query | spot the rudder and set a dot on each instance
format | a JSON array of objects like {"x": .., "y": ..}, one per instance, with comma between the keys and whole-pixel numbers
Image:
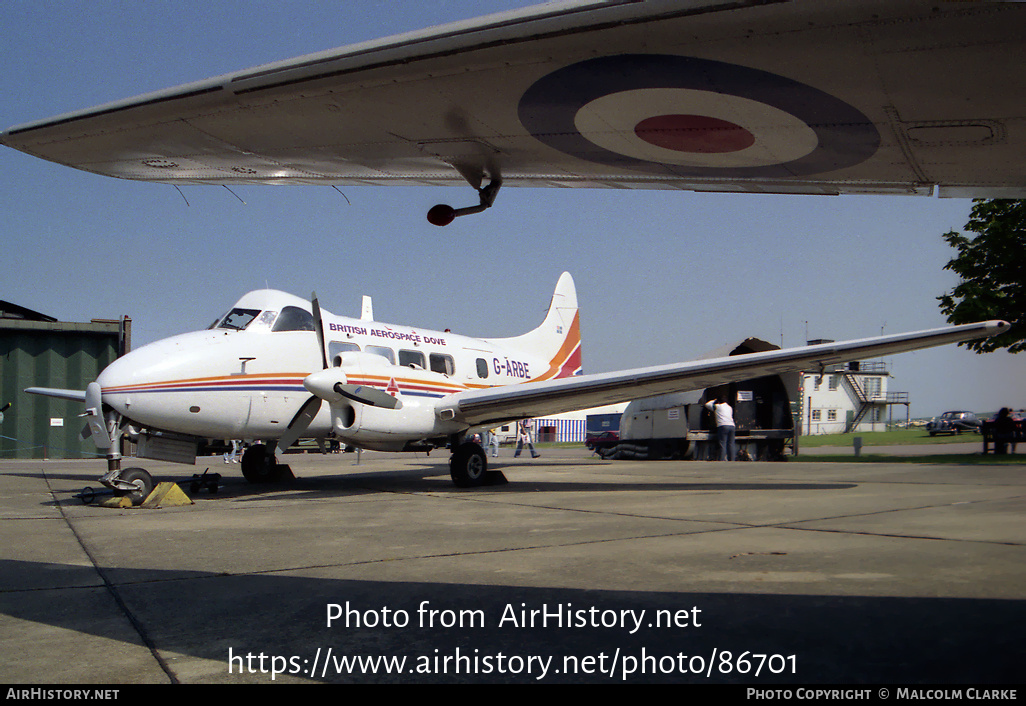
[{"x": 558, "y": 338}]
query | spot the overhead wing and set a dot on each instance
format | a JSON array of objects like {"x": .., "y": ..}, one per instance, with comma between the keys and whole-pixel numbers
[
  {"x": 551, "y": 397},
  {"x": 786, "y": 96}
]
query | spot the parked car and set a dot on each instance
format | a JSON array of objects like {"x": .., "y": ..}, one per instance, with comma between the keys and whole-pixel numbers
[
  {"x": 596, "y": 441},
  {"x": 954, "y": 422}
]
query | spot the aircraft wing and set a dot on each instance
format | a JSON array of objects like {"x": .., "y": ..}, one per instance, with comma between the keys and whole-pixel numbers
[
  {"x": 537, "y": 399},
  {"x": 782, "y": 96}
]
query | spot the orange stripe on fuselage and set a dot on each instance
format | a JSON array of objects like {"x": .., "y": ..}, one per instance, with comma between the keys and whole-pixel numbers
[{"x": 254, "y": 378}]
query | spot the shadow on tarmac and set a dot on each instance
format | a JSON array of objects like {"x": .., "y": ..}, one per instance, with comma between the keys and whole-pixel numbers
[
  {"x": 430, "y": 479},
  {"x": 834, "y": 639}
]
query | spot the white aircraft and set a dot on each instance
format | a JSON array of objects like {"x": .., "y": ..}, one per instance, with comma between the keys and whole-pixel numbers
[
  {"x": 264, "y": 370},
  {"x": 786, "y": 96},
  {"x": 765, "y": 96}
]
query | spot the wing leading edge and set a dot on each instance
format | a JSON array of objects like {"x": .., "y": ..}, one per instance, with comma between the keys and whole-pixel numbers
[{"x": 551, "y": 397}]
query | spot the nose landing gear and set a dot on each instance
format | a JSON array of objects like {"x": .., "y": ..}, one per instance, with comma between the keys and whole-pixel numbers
[{"x": 135, "y": 484}]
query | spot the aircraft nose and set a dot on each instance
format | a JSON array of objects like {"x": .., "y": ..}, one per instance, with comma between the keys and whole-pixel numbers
[
  {"x": 182, "y": 356},
  {"x": 119, "y": 373}
]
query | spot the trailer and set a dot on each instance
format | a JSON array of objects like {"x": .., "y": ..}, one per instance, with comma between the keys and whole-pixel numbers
[{"x": 678, "y": 425}]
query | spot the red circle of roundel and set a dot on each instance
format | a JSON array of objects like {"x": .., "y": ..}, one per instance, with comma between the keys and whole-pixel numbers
[
  {"x": 694, "y": 133},
  {"x": 845, "y": 137}
]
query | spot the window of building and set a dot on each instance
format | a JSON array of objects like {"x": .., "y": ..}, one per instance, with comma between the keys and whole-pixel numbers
[
  {"x": 831, "y": 415},
  {"x": 816, "y": 415},
  {"x": 833, "y": 382},
  {"x": 872, "y": 386}
]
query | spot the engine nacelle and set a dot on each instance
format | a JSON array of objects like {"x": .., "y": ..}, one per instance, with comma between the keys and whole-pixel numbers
[{"x": 377, "y": 405}]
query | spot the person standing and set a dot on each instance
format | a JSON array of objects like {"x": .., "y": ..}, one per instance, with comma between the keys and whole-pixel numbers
[
  {"x": 493, "y": 440},
  {"x": 724, "y": 414}
]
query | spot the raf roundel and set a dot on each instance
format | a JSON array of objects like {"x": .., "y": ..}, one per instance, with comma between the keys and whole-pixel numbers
[{"x": 694, "y": 117}]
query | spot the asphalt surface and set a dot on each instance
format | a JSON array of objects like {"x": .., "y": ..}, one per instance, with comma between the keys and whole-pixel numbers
[
  {"x": 962, "y": 447},
  {"x": 577, "y": 570}
]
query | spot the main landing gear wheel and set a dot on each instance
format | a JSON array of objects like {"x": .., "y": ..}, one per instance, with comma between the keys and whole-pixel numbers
[
  {"x": 142, "y": 481},
  {"x": 468, "y": 466},
  {"x": 260, "y": 466}
]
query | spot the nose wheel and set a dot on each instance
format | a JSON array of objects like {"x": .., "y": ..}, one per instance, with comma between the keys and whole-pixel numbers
[{"x": 135, "y": 484}]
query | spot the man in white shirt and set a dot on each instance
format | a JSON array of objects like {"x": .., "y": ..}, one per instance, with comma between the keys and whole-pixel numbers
[{"x": 724, "y": 426}]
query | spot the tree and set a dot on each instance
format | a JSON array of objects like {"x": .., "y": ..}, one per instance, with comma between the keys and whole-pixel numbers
[{"x": 992, "y": 268}]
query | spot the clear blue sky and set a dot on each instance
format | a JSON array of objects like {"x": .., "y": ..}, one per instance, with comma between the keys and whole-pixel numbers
[{"x": 661, "y": 276}]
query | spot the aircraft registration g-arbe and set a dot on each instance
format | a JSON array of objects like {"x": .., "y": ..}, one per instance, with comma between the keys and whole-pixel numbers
[
  {"x": 909, "y": 97},
  {"x": 265, "y": 369}
]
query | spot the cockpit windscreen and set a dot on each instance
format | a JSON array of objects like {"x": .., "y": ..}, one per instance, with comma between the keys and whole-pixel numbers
[{"x": 238, "y": 319}]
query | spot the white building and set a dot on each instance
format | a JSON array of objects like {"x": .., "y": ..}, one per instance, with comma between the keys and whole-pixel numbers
[
  {"x": 846, "y": 398},
  {"x": 571, "y": 426}
]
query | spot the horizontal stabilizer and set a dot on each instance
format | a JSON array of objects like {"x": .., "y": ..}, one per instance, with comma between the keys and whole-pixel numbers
[{"x": 78, "y": 395}]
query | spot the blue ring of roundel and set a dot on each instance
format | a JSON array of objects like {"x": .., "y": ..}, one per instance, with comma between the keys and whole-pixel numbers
[{"x": 846, "y": 137}]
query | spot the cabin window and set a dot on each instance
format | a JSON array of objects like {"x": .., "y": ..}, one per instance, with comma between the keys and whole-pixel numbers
[
  {"x": 482, "y": 368},
  {"x": 337, "y": 348},
  {"x": 292, "y": 318},
  {"x": 238, "y": 319},
  {"x": 442, "y": 364},
  {"x": 411, "y": 359},
  {"x": 383, "y": 351}
]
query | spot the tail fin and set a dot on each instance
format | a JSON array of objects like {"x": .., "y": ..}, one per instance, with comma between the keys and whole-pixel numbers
[{"x": 558, "y": 339}]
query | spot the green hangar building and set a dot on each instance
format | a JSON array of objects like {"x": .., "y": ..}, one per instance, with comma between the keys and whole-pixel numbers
[{"x": 39, "y": 351}]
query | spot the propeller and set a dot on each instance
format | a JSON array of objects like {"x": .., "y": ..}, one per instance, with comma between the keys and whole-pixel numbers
[
  {"x": 305, "y": 416},
  {"x": 329, "y": 384}
]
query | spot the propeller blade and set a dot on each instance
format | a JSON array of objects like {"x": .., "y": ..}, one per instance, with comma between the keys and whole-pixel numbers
[
  {"x": 299, "y": 424},
  {"x": 370, "y": 396},
  {"x": 319, "y": 326},
  {"x": 96, "y": 421},
  {"x": 332, "y": 385}
]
